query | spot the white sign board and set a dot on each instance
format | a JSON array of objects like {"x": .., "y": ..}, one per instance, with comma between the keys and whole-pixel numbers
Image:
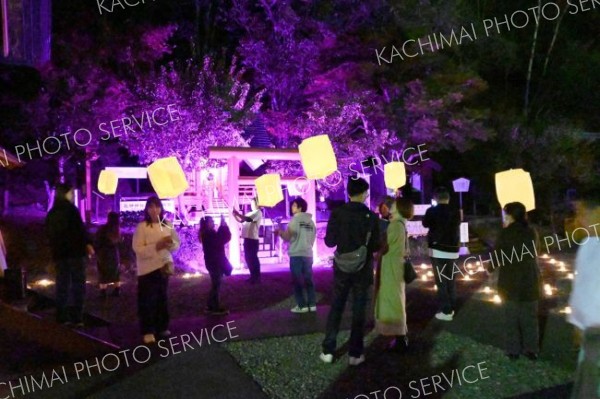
[
  {"x": 461, "y": 185},
  {"x": 464, "y": 232},
  {"x": 415, "y": 228},
  {"x": 126, "y": 205},
  {"x": 129, "y": 172},
  {"x": 421, "y": 209}
]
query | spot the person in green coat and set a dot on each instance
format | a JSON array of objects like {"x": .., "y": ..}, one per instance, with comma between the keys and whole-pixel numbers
[{"x": 390, "y": 302}]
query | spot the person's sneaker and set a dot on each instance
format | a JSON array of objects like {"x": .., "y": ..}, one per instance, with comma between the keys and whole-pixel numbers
[
  {"x": 219, "y": 312},
  {"x": 531, "y": 356},
  {"x": 355, "y": 361},
  {"x": 312, "y": 308},
  {"x": 326, "y": 357},
  {"x": 298, "y": 309},
  {"x": 149, "y": 339},
  {"x": 164, "y": 334},
  {"x": 443, "y": 316}
]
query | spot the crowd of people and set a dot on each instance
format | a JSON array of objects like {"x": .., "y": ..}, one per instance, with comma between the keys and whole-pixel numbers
[{"x": 370, "y": 249}]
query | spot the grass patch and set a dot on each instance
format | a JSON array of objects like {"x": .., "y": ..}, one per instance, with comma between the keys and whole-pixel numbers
[
  {"x": 506, "y": 378},
  {"x": 289, "y": 367}
]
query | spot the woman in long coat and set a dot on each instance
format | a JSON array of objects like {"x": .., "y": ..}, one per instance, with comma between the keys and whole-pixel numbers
[
  {"x": 390, "y": 303},
  {"x": 519, "y": 282}
]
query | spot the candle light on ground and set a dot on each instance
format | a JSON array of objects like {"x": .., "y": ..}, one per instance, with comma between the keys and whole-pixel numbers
[
  {"x": 478, "y": 263},
  {"x": 566, "y": 310},
  {"x": 562, "y": 269},
  {"x": 487, "y": 289},
  {"x": 497, "y": 299},
  {"x": 467, "y": 277},
  {"x": 561, "y": 263},
  {"x": 570, "y": 276},
  {"x": 424, "y": 278},
  {"x": 423, "y": 266},
  {"x": 552, "y": 261},
  {"x": 545, "y": 256},
  {"x": 44, "y": 282},
  {"x": 430, "y": 273}
]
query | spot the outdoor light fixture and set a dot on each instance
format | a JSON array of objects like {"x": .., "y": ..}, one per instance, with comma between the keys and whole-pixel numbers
[
  {"x": 394, "y": 175},
  {"x": 167, "y": 177},
  {"x": 317, "y": 156},
  {"x": 515, "y": 185},
  {"x": 268, "y": 189},
  {"x": 107, "y": 182}
]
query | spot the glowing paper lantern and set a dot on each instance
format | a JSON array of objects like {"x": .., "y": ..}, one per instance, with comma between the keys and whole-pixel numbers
[
  {"x": 394, "y": 175},
  {"x": 317, "y": 156},
  {"x": 167, "y": 177},
  {"x": 107, "y": 182},
  {"x": 268, "y": 189},
  {"x": 515, "y": 185}
]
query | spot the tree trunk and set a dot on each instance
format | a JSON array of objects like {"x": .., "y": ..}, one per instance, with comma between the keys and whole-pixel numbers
[{"x": 531, "y": 58}]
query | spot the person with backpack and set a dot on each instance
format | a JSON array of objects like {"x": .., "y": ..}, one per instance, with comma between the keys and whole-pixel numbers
[
  {"x": 301, "y": 234},
  {"x": 354, "y": 230}
]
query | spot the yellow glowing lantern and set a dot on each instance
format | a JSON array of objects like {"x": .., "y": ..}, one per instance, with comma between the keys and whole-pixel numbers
[
  {"x": 394, "y": 175},
  {"x": 515, "y": 185},
  {"x": 107, "y": 182},
  {"x": 317, "y": 156},
  {"x": 268, "y": 189},
  {"x": 167, "y": 177}
]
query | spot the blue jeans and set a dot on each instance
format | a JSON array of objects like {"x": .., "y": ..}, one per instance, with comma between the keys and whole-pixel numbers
[
  {"x": 302, "y": 270},
  {"x": 359, "y": 284},
  {"x": 70, "y": 279}
]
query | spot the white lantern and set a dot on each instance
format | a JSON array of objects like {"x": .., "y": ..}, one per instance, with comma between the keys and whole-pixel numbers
[
  {"x": 515, "y": 185},
  {"x": 317, "y": 156},
  {"x": 269, "y": 190},
  {"x": 108, "y": 182},
  {"x": 394, "y": 175},
  {"x": 167, "y": 177}
]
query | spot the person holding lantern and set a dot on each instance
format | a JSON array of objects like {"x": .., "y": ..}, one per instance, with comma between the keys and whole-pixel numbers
[
  {"x": 250, "y": 224},
  {"x": 443, "y": 222},
  {"x": 390, "y": 302},
  {"x": 301, "y": 234},
  {"x": 519, "y": 284},
  {"x": 154, "y": 241},
  {"x": 213, "y": 244},
  {"x": 70, "y": 243},
  {"x": 585, "y": 304}
]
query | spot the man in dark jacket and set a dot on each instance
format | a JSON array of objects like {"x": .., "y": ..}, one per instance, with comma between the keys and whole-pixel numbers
[
  {"x": 69, "y": 244},
  {"x": 347, "y": 230},
  {"x": 443, "y": 240}
]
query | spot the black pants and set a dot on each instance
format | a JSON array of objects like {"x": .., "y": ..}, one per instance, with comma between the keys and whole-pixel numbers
[
  {"x": 359, "y": 284},
  {"x": 153, "y": 308},
  {"x": 251, "y": 257},
  {"x": 213, "y": 296},
  {"x": 444, "y": 280},
  {"x": 70, "y": 281},
  {"x": 521, "y": 326}
]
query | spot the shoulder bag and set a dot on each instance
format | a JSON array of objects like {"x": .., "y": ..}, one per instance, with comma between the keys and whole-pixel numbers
[
  {"x": 410, "y": 274},
  {"x": 353, "y": 262}
]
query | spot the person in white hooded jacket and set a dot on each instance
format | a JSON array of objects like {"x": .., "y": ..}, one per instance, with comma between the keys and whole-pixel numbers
[{"x": 301, "y": 234}]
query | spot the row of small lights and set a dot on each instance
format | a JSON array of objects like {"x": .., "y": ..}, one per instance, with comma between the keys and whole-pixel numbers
[{"x": 548, "y": 289}]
